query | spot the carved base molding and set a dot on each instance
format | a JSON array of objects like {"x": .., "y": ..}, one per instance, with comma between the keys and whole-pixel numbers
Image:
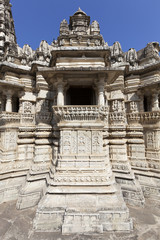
[
  {"x": 150, "y": 187},
  {"x": 30, "y": 194},
  {"x": 132, "y": 191},
  {"x": 10, "y": 187}
]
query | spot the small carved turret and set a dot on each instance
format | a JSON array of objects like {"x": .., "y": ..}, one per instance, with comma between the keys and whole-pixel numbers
[
  {"x": 95, "y": 29},
  {"x": 152, "y": 50},
  {"x": 43, "y": 52},
  {"x": 27, "y": 50},
  {"x": 116, "y": 52},
  {"x": 64, "y": 28},
  {"x": 131, "y": 56},
  {"x": 25, "y": 54},
  {"x": 44, "y": 47},
  {"x": 117, "y": 49}
]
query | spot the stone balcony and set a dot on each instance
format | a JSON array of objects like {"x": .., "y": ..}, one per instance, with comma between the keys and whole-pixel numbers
[{"x": 80, "y": 113}]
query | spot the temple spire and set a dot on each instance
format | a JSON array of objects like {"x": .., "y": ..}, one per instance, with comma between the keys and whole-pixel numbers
[{"x": 8, "y": 41}]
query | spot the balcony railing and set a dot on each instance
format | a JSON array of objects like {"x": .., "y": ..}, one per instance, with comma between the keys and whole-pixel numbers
[
  {"x": 144, "y": 117},
  {"x": 9, "y": 118},
  {"x": 149, "y": 117},
  {"x": 16, "y": 118},
  {"x": 28, "y": 119},
  {"x": 80, "y": 113}
]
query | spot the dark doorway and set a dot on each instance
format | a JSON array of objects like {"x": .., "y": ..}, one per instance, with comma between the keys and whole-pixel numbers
[
  {"x": 80, "y": 96},
  {"x": 147, "y": 103},
  {"x": 15, "y": 104}
]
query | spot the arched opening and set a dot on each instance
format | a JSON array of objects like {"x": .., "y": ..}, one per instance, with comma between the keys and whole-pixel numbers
[{"x": 80, "y": 96}]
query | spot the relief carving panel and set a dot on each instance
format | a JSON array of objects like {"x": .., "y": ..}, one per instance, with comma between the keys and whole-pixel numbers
[
  {"x": 96, "y": 142},
  {"x": 27, "y": 107},
  {"x": 10, "y": 140},
  {"x": 150, "y": 139},
  {"x": 81, "y": 142}
]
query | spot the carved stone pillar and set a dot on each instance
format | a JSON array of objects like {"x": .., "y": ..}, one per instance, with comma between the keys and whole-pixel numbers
[
  {"x": 101, "y": 94},
  {"x": 60, "y": 91},
  {"x": 155, "y": 102},
  {"x": 60, "y": 95},
  {"x": 8, "y": 101},
  {"x": 101, "y": 99}
]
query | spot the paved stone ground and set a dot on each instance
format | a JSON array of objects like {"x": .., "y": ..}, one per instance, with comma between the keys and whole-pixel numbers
[{"x": 17, "y": 225}]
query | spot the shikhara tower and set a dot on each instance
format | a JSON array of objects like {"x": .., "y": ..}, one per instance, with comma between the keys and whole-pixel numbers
[{"x": 79, "y": 127}]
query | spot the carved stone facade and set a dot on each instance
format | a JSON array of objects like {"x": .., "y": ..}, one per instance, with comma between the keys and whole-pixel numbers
[{"x": 79, "y": 127}]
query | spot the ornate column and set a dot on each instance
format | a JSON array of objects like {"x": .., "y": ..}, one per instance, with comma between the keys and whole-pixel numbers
[
  {"x": 60, "y": 89},
  {"x": 155, "y": 102},
  {"x": 101, "y": 81},
  {"x": 8, "y": 94}
]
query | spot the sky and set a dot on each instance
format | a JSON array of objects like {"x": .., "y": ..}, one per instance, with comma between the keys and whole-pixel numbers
[{"x": 133, "y": 23}]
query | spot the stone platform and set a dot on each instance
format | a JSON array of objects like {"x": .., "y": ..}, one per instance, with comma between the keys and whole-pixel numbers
[
  {"x": 17, "y": 225},
  {"x": 82, "y": 213}
]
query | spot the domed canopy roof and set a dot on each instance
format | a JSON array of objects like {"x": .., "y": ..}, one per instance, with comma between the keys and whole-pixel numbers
[{"x": 80, "y": 12}]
